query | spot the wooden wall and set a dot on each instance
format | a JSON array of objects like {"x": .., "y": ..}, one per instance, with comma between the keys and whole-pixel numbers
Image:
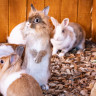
[{"x": 14, "y": 12}]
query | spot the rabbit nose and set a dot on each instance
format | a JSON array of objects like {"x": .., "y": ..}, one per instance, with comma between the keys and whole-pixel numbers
[{"x": 28, "y": 24}]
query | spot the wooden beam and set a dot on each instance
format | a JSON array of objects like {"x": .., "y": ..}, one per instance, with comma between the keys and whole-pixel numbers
[
  {"x": 94, "y": 21},
  {"x": 69, "y": 10},
  {"x": 17, "y": 12},
  {"x": 3, "y": 20},
  {"x": 84, "y": 15}
]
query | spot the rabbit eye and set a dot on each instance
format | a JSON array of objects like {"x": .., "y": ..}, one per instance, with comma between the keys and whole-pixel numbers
[
  {"x": 36, "y": 20},
  {"x": 62, "y": 31},
  {"x": 1, "y": 61}
]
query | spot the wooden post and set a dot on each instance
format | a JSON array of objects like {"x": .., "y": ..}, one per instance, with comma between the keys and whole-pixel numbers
[
  {"x": 94, "y": 21},
  {"x": 55, "y": 8},
  {"x": 3, "y": 20},
  {"x": 69, "y": 10},
  {"x": 84, "y": 15},
  {"x": 17, "y": 12}
]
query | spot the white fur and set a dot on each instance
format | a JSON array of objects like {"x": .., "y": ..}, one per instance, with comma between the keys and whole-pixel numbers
[
  {"x": 16, "y": 35},
  {"x": 5, "y": 50},
  {"x": 70, "y": 28},
  {"x": 8, "y": 80},
  {"x": 61, "y": 44},
  {"x": 58, "y": 33},
  {"x": 40, "y": 71}
]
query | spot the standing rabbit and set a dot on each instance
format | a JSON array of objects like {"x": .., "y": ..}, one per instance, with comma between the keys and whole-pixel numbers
[
  {"x": 34, "y": 33},
  {"x": 67, "y": 36},
  {"x": 38, "y": 52},
  {"x": 13, "y": 80}
]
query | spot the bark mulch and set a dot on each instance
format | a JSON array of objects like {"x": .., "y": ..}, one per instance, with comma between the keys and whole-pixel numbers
[{"x": 73, "y": 74}]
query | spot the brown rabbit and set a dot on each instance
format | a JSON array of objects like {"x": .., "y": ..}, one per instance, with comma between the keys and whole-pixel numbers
[{"x": 13, "y": 80}]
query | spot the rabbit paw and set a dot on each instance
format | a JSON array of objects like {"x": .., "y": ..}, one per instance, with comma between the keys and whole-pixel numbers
[
  {"x": 38, "y": 59},
  {"x": 39, "y": 56},
  {"x": 34, "y": 52},
  {"x": 54, "y": 51},
  {"x": 61, "y": 54},
  {"x": 45, "y": 87}
]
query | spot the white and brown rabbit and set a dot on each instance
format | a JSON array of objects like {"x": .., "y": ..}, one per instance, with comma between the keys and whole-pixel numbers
[
  {"x": 34, "y": 33},
  {"x": 13, "y": 80},
  {"x": 67, "y": 36},
  {"x": 38, "y": 52}
]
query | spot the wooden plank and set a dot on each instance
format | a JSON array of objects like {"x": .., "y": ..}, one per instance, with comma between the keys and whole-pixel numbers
[
  {"x": 69, "y": 10},
  {"x": 3, "y": 20},
  {"x": 55, "y": 8},
  {"x": 38, "y": 4},
  {"x": 94, "y": 21},
  {"x": 17, "y": 12},
  {"x": 84, "y": 15}
]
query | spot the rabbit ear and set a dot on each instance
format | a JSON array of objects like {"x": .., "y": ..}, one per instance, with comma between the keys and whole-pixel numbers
[
  {"x": 65, "y": 22},
  {"x": 33, "y": 8},
  {"x": 46, "y": 10},
  {"x": 13, "y": 59},
  {"x": 19, "y": 50},
  {"x": 17, "y": 54},
  {"x": 54, "y": 21}
]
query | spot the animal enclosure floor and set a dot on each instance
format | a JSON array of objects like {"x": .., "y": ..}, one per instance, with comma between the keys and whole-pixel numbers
[{"x": 73, "y": 75}]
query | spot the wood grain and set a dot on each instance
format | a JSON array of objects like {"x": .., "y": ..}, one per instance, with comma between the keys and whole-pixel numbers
[
  {"x": 3, "y": 20},
  {"x": 38, "y": 4},
  {"x": 69, "y": 10},
  {"x": 84, "y": 15},
  {"x": 14, "y": 12},
  {"x": 94, "y": 21},
  {"x": 55, "y": 8},
  {"x": 17, "y": 12}
]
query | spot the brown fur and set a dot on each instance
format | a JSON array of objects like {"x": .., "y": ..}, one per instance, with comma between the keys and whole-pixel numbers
[
  {"x": 34, "y": 53},
  {"x": 80, "y": 34},
  {"x": 44, "y": 24},
  {"x": 40, "y": 55},
  {"x": 23, "y": 87},
  {"x": 7, "y": 68}
]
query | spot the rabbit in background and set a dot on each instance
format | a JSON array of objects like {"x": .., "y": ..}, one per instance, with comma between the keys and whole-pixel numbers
[
  {"x": 16, "y": 36},
  {"x": 13, "y": 80},
  {"x": 37, "y": 52},
  {"x": 67, "y": 36}
]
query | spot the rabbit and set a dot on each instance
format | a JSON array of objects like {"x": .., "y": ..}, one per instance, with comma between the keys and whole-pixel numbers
[
  {"x": 13, "y": 80},
  {"x": 67, "y": 36},
  {"x": 38, "y": 52},
  {"x": 16, "y": 36}
]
